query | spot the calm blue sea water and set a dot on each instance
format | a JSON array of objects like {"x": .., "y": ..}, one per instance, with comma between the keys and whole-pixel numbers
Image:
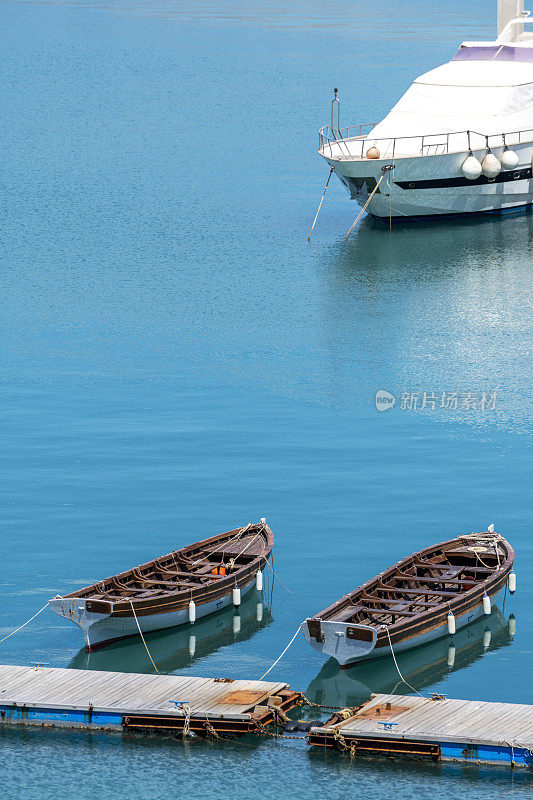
[{"x": 177, "y": 360}]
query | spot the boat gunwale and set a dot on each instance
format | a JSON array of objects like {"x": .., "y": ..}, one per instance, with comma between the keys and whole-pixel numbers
[
  {"x": 178, "y": 596},
  {"x": 461, "y": 599}
]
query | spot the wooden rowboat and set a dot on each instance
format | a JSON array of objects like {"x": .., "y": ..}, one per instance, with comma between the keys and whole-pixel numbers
[
  {"x": 170, "y": 590},
  {"x": 409, "y": 604}
]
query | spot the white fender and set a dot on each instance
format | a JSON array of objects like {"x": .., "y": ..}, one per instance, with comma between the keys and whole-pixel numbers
[
  {"x": 236, "y": 596},
  {"x": 192, "y": 611},
  {"x": 491, "y": 166},
  {"x": 509, "y": 159},
  {"x": 512, "y": 581},
  {"x": 486, "y": 605},
  {"x": 259, "y": 581},
  {"x": 471, "y": 168},
  {"x": 451, "y": 624}
]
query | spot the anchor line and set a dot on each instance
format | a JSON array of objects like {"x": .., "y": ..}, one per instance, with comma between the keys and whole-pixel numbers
[
  {"x": 320, "y": 204},
  {"x": 374, "y": 190}
]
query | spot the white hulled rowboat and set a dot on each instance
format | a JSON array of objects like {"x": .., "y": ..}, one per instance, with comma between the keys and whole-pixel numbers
[
  {"x": 459, "y": 141},
  {"x": 423, "y": 597}
]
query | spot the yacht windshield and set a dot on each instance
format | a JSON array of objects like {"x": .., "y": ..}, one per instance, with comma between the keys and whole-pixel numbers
[{"x": 494, "y": 53}]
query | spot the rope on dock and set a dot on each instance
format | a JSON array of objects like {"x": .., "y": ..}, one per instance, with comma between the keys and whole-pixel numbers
[
  {"x": 24, "y": 625},
  {"x": 374, "y": 190},
  {"x": 142, "y": 637},
  {"x": 281, "y": 656}
]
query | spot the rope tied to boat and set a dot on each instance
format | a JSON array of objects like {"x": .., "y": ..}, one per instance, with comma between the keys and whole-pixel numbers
[
  {"x": 282, "y": 654},
  {"x": 397, "y": 667},
  {"x": 27, "y": 622},
  {"x": 142, "y": 637},
  {"x": 320, "y": 204},
  {"x": 374, "y": 190}
]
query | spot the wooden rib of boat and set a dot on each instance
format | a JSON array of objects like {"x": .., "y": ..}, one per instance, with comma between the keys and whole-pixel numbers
[
  {"x": 158, "y": 594},
  {"x": 410, "y": 602}
]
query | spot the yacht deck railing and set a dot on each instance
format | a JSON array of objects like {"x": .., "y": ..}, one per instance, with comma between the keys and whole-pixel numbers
[{"x": 351, "y": 143}]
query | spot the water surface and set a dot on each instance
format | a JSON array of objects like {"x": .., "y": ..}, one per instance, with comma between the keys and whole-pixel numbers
[{"x": 176, "y": 360}]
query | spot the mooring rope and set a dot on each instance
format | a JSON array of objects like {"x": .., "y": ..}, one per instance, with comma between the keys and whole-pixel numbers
[
  {"x": 374, "y": 190},
  {"x": 278, "y": 579},
  {"x": 281, "y": 656},
  {"x": 320, "y": 205},
  {"x": 24, "y": 625},
  {"x": 398, "y": 668},
  {"x": 142, "y": 637}
]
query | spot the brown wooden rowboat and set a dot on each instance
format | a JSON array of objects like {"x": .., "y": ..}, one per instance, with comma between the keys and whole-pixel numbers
[
  {"x": 410, "y": 602},
  {"x": 159, "y": 594}
]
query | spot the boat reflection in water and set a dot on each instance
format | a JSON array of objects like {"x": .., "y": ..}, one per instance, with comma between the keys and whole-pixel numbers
[
  {"x": 422, "y": 667},
  {"x": 176, "y": 648}
]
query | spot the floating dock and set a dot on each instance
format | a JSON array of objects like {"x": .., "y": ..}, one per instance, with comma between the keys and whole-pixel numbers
[
  {"x": 469, "y": 731},
  {"x": 127, "y": 701}
]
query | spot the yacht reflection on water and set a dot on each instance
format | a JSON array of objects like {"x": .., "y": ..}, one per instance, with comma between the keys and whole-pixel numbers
[
  {"x": 176, "y": 648},
  {"x": 422, "y": 667}
]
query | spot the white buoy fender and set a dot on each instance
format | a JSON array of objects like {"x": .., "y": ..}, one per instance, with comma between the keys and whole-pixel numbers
[
  {"x": 509, "y": 159},
  {"x": 192, "y": 611},
  {"x": 259, "y": 612},
  {"x": 512, "y": 625},
  {"x": 259, "y": 581},
  {"x": 263, "y": 521},
  {"x": 451, "y": 655},
  {"x": 512, "y": 581},
  {"x": 192, "y": 644},
  {"x": 236, "y": 623},
  {"x": 451, "y": 624},
  {"x": 373, "y": 152},
  {"x": 487, "y": 636},
  {"x": 491, "y": 166},
  {"x": 236, "y": 596},
  {"x": 486, "y": 605},
  {"x": 471, "y": 168}
]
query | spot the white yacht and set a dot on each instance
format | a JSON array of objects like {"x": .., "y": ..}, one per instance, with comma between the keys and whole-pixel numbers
[{"x": 459, "y": 141}]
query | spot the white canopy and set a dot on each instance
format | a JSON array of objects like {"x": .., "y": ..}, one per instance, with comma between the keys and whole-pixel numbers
[{"x": 487, "y": 97}]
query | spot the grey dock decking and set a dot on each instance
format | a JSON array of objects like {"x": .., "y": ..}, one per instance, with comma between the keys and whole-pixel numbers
[
  {"x": 116, "y": 700},
  {"x": 466, "y": 730}
]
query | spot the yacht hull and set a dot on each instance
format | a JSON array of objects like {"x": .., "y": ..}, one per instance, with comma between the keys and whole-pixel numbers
[{"x": 433, "y": 185}]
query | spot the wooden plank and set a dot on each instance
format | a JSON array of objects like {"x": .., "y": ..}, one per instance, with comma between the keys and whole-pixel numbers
[
  {"x": 145, "y": 693},
  {"x": 460, "y": 721},
  {"x": 168, "y": 690},
  {"x": 158, "y": 691}
]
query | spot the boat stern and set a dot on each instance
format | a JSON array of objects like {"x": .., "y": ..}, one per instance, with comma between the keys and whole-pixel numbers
[{"x": 343, "y": 641}]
